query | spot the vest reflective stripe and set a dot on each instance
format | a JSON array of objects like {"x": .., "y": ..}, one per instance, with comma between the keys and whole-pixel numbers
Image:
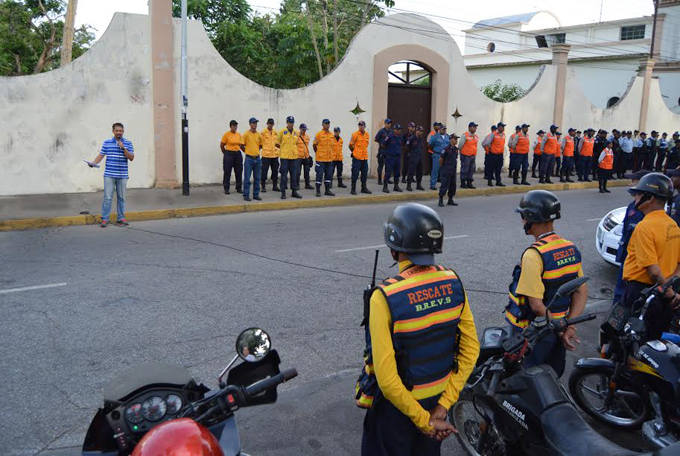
[
  {"x": 608, "y": 160},
  {"x": 522, "y": 147},
  {"x": 497, "y": 143},
  {"x": 569, "y": 147},
  {"x": 561, "y": 263},
  {"x": 537, "y": 149},
  {"x": 470, "y": 146},
  {"x": 551, "y": 146},
  {"x": 425, "y": 303},
  {"x": 587, "y": 148}
]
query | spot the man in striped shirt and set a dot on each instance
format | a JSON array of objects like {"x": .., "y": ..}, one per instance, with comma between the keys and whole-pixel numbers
[{"x": 117, "y": 151}]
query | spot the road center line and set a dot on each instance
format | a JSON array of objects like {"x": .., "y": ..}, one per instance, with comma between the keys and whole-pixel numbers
[
  {"x": 594, "y": 220},
  {"x": 383, "y": 245},
  {"x": 35, "y": 287}
]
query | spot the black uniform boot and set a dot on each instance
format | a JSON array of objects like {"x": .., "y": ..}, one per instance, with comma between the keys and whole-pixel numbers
[
  {"x": 604, "y": 186},
  {"x": 308, "y": 186},
  {"x": 524, "y": 178},
  {"x": 420, "y": 187},
  {"x": 408, "y": 187},
  {"x": 463, "y": 183},
  {"x": 295, "y": 194},
  {"x": 541, "y": 179},
  {"x": 499, "y": 184},
  {"x": 396, "y": 186},
  {"x": 533, "y": 174},
  {"x": 354, "y": 189},
  {"x": 385, "y": 189},
  {"x": 562, "y": 176},
  {"x": 283, "y": 194},
  {"x": 601, "y": 190},
  {"x": 276, "y": 187},
  {"x": 515, "y": 177},
  {"x": 340, "y": 183},
  {"x": 263, "y": 188},
  {"x": 470, "y": 186},
  {"x": 490, "y": 183},
  {"x": 451, "y": 202},
  {"x": 568, "y": 178},
  {"x": 441, "y": 202},
  {"x": 328, "y": 191},
  {"x": 365, "y": 189},
  {"x": 318, "y": 190},
  {"x": 380, "y": 179}
]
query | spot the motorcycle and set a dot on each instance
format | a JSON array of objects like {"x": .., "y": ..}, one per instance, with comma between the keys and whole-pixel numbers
[
  {"x": 505, "y": 409},
  {"x": 153, "y": 406},
  {"x": 636, "y": 382}
]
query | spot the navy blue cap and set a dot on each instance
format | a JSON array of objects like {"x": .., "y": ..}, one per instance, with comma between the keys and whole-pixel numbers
[
  {"x": 232, "y": 122},
  {"x": 411, "y": 124},
  {"x": 436, "y": 124},
  {"x": 673, "y": 172},
  {"x": 361, "y": 122},
  {"x": 637, "y": 175},
  {"x": 441, "y": 125},
  {"x": 253, "y": 119},
  {"x": 654, "y": 132},
  {"x": 472, "y": 124},
  {"x": 554, "y": 126},
  {"x": 325, "y": 121},
  {"x": 388, "y": 120},
  {"x": 643, "y": 133},
  {"x": 419, "y": 128},
  {"x": 540, "y": 132},
  {"x": 494, "y": 128},
  {"x": 270, "y": 121},
  {"x": 397, "y": 127},
  {"x": 290, "y": 119},
  {"x": 337, "y": 129},
  {"x": 517, "y": 127},
  {"x": 571, "y": 129},
  {"x": 303, "y": 126},
  {"x": 525, "y": 126},
  {"x": 500, "y": 124}
]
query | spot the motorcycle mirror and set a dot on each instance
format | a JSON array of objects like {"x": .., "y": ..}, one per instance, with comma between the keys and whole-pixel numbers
[
  {"x": 253, "y": 344},
  {"x": 569, "y": 288}
]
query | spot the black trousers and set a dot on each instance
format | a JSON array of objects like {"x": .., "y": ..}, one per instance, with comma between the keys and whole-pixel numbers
[
  {"x": 660, "y": 157},
  {"x": 659, "y": 314},
  {"x": 547, "y": 165},
  {"x": 625, "y": 163},
  {"x": 448, "y": 182},
  {"x": 584, "y": 166},
  {"x": 535, "y": 163},
  {"x": 415, "y": 168},
  {"x": 359, "y": 167},
  {"x": 337, "y": 169},
  {"x": 494, "y": 164},
  {"x": 389, "y": 432},
  {"x": 232, "y": 161},
  {"x": 304, "y": 166},
  {"x": 381, "y": 164},
  {"x": 289, "y": 167},
  {"x": 272, "y": 163}
]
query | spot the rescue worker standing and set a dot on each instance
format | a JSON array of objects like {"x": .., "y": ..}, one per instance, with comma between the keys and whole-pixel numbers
[
  {"x": 337, "y": 157},
  {"x": 252, "y": 144},
  {"x": 549, "y": 263},
  {"x": 535, "y": 163},
  {"x": 230, "y": 145},
  {"x": 358, "y": 145},
  {"x": 653, "y": 252},
  {"x": 468, "y": 156},
  {"x": 674, "y": 206},
  {"x": 549, "y": 148},
  {"x": 585, "y": 151},
  {"x": 415, "y": 147},
  {"x": 305, "y": 161},
  {"x": 408, "y": 414},
  {"x": 270, "y": 156},
  {"x": 519, "y": 161},
  {"x": 287, "y": 143},
  {"x": 323, "y": 148},
  {"x": 393, "y": 143},
  {"x": 437, "y": 144},
  {"x": 494, "y": 145},
  {"x": 379, "y": 137},
  {"x": 449, "y": 166},
  {"x": 512, "y": 141},
  {"x": 606, "y": 165},
  {"x": 567, "y": 148}
]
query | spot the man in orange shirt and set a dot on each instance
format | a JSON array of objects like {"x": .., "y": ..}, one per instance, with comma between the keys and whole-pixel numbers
[
  {"x": 230, "y": 145},
  {"x": 549, "y": 149},
  {"x": 323, "y": 148},
  {"x": 305, "y": 160},
  {"x": 468, "y": 154},
  {"x": 358, "y": 145},
  {"x": 270, "y": 156},
  {"x": 494, "y": 145},
  {"x": 337, "y": 157},
  {"x": 567, "y": 147}
]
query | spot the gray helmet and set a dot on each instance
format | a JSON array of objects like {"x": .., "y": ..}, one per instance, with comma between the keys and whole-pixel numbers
[
  {"x": 656, "y": 184},
  {"x": 415, "y": 230},
  {"x": 539, "y": 206}
]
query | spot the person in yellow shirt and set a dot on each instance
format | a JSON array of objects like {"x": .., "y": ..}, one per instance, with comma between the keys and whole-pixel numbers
[
  {"x": 288, "y": 151},
  {"x": 423, "y": 341},
  {"x": 252, "y": 144},
  {"x": 270, "y": 156},
  {"x": 358, "y": 145},
  {"x": 305, "y": 161},
  {"x": 337, "y": 157},
  {"x": 230, "y": 145},
  {"x": 653, "y": 252},
  {"x": 323, "y": 148}
]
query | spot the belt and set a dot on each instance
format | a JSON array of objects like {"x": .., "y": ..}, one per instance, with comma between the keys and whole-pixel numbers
[
  {"x": 234, "y": 152},
  {"x": 254, "y": 157}
]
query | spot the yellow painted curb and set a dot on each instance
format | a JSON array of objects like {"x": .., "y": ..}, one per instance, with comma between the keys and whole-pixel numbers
[{"x": 162, "y": 214}]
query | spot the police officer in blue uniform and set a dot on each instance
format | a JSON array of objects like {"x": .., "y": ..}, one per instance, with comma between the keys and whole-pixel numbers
[
  {"x": 630, "y": 220},
  {"x": 392, "y": 143},
  {"x": 674, "y": 205},
  {"x": 547, "y": 264},
  {"x": 415, "y": 147},
  {"x": 379, "y": 137}
]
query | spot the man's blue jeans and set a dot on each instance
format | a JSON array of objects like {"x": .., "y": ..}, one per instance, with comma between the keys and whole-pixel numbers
[
  {"x": 111, "y": 183},
  {"x": 434, "y": 173},
  {"x": 253, "y": 165}
]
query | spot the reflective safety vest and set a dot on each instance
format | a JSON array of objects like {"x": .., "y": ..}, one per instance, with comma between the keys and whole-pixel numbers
[
  {"x": 561, "y": 263},
  {"x": 608, "y": 160},
  {"x": 426, "y": 303},
  {"x": 512, "y": 138},
  {"x": 522, "y": 147},
  {"x": 337, "y": 148},
  {"x": 568, "y": 146},
  {"x": 470, "y": 146},
  {"x": 551, "y": 146},
  {"x": 537, "y": 149},
  {"x": 587, "y": 148},
  {"x": 497, "y": 143}
]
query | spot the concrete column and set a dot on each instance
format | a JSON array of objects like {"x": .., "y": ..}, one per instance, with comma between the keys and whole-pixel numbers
[
  {"x": 163, "y": 84},
  {"x": 646, "y": 69},
  {"x": 560, "y": 58}
]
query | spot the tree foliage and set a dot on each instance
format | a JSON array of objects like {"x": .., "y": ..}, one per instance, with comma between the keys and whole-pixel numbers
[
  {"x": 31, "y": 33},
  {"x": 290, "y": 48},
  {"x": 504, "y": 93}
]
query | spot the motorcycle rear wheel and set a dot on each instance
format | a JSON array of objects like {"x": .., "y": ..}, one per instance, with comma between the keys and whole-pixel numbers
[
  {"x": 469, "y": 423},
  {"x": 589, "y": 388}
]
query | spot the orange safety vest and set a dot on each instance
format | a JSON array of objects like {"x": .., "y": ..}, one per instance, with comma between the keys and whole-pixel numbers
[
  {"x": 337, "y": 149},
  {"x": 608, "y": 160},
  {"x": 551, "y": 146},
  {"x": 470, "y": 146},
  {"x": 360, "y": 142},
  {"x": 522, "y": 147},
  {"x": 569, "y": 146},
  {"x": 512, "y": 137},
  {"x": 537, "y": 149},
  {"x": 497, "y": 143},
  {"x": 587, "y": 148}
]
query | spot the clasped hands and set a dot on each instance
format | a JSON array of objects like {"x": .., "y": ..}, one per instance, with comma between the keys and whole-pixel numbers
[{"x": 441, "y": 428}]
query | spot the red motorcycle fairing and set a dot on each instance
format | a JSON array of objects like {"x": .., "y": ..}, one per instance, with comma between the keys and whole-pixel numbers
[{"x": 180, "y": 437}]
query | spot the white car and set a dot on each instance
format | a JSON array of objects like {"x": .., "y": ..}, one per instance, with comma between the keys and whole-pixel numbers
[{"x": 608, "y": 236}]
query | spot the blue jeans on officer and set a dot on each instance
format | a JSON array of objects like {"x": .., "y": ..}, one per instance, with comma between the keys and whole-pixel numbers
[
  {"x": 434, "y": 173},
  {"x": 253, "y": 165}
]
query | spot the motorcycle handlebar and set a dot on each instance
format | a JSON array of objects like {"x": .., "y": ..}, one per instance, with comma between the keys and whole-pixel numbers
[
  {"x": 581, "y": 319},
  {"x": 261, "y": 386},
  {"x": 494, "y": 383}
]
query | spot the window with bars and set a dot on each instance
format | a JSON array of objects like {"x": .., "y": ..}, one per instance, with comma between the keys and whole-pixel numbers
[{"x": 633, "y": 32}]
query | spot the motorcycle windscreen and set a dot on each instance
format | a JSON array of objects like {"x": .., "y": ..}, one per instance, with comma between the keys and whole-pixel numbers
[
  {"x": 247, "y": 373},
  {"x": 144, "y": 376}
]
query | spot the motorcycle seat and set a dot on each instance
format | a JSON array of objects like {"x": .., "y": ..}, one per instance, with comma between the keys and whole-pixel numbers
[{"x": 568, "y": 434}]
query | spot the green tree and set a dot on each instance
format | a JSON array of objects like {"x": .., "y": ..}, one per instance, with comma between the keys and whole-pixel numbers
[
  {"x": 504, "y": 93},
  {"x": 31, "y": 34}
]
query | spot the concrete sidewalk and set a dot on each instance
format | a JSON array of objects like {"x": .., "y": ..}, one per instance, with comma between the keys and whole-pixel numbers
[{"x": 44, "y": 211}]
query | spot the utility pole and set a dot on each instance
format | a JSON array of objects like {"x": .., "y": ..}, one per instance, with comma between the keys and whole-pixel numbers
[
  {"x": 69, "y": 31},
  {"x": 656, "y": 13},
  {"x": 185, "y": 104}
]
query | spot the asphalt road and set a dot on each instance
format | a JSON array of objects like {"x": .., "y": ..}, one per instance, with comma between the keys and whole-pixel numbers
[{"x": 180, "y": 291}]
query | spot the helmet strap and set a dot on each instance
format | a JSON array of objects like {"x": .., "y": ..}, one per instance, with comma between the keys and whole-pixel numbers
[
  {"x": 646, "y": 197},
  {"x": 527, "y": 227}
]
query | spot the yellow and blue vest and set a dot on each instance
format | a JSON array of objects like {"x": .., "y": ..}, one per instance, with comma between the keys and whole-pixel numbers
[{"x": 561, "y": 263}]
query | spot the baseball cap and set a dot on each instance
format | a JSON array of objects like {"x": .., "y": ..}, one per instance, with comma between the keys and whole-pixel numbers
[
  {"x": 232, "y": 122},
  {"x": 303, "y": 126},
  {"x": 472, "y": 124},
  {"x": 540, "y": 132},
  {"x": 419, "y": 128},
  {"x": 411, "y": 124},
  {"x": 361, "y": 122},
  {"x": 388, "y": 120},
  {"x": 397, "y": 127},
  {"x": 571, "y": 129},
  {"x": 442, "y": 126},
  {"x": 500, "y": 124},
  {"x": 637, "y": 175},
  {"x": 453, "y": 135},
  {"x": 436, "y": 123},
  {"x": 494, "y": 128},
  {"x": 525, "y": 126},
  {"x": 654, "y": 132},
  {"x": 253, "y": 119},
  {"x": 553, "y": 127},
  {"x": 325, "y": 121},
  {"x": 270, "y": 121},
  {"x": 337, "y": 129},
  {"x": 643, "y": 133},
  {"x": 517, "y": 127},
  {"x": 290, "y": 119}
]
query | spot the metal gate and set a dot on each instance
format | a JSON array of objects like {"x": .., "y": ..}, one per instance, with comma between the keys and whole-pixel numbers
[{"x": 409, "y": 99}]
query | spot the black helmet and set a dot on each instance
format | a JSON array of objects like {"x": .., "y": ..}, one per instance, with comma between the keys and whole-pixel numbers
[
  {"x": 655, "y": 184},
  {"x": 539, "y": 206},
  {"x": 416, "y": 230}
]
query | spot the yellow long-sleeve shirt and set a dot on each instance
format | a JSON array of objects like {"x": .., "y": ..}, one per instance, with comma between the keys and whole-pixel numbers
[{"x": 385, "y": 363}]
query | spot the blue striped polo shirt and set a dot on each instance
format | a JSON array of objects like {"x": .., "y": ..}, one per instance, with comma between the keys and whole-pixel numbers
[{"x": 116, "y": 162}]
